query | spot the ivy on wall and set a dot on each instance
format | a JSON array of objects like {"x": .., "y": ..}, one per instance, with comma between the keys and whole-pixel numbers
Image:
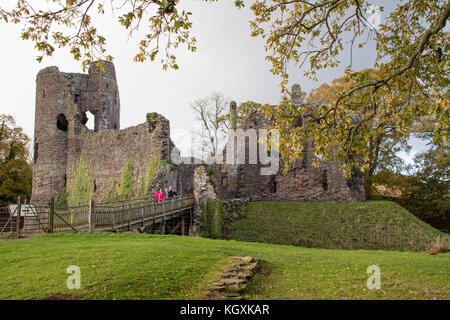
[
  {"x": 146, "y": 182},
  {"x": 60, "y": 200},
  {"x": 212, "y": 220},
  {"x": 81, "y": 186},
  {"x": 218, "y": 217},
  {"x": 110, "y": 194},
  {"x": 126, "y": 187}
]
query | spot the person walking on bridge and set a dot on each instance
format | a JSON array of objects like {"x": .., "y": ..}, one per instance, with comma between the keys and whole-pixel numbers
[
  {"x": 171, "y": 193},
  {"x": 160, "y": 195}
]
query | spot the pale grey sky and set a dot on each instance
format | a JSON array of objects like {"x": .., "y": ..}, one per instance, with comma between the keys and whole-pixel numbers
[{"x": 228, "y": 60}]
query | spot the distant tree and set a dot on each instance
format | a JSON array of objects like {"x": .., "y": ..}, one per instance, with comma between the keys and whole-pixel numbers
[
  {"x": 243, "y": 110},
  {"x": 382, "y": 140},
  {"x": 424, "y": 191},
  {"x": 366, "y": 133},
  {"x": 15, "y": 171},
  {"x": 412, "y": 62},
  {"x": 210, "y": 112},
  {"x": 433, "y": 178}
]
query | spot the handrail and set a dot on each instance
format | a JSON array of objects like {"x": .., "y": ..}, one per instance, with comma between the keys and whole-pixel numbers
[
  {"x": 113, "y": 217},
  {"x": 110, "y": 216}
]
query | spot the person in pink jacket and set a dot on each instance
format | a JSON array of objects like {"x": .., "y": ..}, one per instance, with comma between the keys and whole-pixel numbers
[{"x": 160, "y": 195}]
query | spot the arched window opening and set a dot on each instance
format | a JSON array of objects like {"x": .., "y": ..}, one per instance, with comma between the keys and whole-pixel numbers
[
  {"x": 89, "y": 120},
  {"x": 61, "y": 122}
]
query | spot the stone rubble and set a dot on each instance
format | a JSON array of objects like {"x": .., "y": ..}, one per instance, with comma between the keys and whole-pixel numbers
[{"x": 234, "y": 280}]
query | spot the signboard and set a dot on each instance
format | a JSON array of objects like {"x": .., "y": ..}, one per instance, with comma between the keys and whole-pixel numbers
[{"x": 26, "y": 210}]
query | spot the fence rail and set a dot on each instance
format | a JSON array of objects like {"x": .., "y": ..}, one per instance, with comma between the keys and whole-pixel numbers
[
  {"x": 132, "y": 215},
  {"x": 69, "y": 218},
  {"x": 116, "y": 216},
  {"x": 10, "y": 221}
]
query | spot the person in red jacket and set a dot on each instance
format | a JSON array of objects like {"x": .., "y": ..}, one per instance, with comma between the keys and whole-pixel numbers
[{"x": 160, "y": 195}]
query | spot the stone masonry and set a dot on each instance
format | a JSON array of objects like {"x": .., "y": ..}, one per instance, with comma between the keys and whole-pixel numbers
[
  {"x": 62, "y": 137},
  {"x": 61, "y": 134},
  {"x": 303, "y": 182}
]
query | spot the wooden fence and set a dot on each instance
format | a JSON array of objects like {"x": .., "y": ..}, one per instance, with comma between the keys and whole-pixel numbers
[
  {"x": 117, "y": 216},
  {"x": 8, "y": 222},
  {"x": 37, "y": 220}
]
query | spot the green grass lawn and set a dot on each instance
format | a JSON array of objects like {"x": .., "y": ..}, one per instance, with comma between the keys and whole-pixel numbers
[
  {"x": 378, "y": 225},
  {"x": 132, "y": 266}
]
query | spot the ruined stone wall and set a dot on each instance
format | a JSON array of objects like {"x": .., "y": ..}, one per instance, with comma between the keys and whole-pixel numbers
[
  {"x": 61, "y": 135},
  {"x": 203, "y": 190},
  {"x": 303, "y": 182},
  {"x": 110, "y": 150}
]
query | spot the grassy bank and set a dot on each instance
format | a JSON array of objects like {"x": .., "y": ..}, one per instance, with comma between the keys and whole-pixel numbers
[
  {"x": 130, "y": 266},
  {"x": 378, "y": 225}
]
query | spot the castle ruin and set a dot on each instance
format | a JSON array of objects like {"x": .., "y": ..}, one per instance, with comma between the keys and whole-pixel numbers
[
  {"x": 303, "y": 181},
  {"x": 61, "y": 137}
]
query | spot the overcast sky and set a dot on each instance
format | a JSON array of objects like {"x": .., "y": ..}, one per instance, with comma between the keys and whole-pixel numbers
[{"x": 228, "y": 60}]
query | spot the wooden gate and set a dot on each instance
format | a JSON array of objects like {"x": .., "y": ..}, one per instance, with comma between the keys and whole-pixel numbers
[{"x": 10, "y": 222}]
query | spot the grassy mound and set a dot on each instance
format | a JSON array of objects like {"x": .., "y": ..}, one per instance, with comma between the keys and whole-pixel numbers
[
  {"x": 132, "y": 266},
  {"x": 378, "y": 225}
]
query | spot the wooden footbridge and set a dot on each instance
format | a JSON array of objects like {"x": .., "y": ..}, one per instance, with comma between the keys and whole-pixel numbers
[{"x": 169, "y": 216}]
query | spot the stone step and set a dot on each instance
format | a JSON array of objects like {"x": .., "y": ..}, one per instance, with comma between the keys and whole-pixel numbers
[{"x": 235, "y": 279}]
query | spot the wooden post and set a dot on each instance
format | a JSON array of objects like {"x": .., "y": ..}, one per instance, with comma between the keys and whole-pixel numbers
[
  {"x": 51, "y": 215},
  {"x": 182, "y": 225},
  {"x": 129, "y": 219},
  {"x": 91, "y": 215},
  {"x": 18, "y": 211},
  {"x": 323, "y": 231},
  {"x": 114, "y": 212}
]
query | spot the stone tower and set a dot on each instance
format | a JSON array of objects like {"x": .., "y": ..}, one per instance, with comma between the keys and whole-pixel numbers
[
  {"x": 233, "y": 115},
  {"x": 62, "y": 100}
]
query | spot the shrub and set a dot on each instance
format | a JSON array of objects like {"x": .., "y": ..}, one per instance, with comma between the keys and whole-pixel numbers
[
  {"x": 210, "y": 171},
  {"x": 111, "y": 194},
  {"x": 441, "y": 245}
]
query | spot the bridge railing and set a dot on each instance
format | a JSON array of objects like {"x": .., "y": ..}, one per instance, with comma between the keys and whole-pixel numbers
[
  {"x": 115, "y": 215},
  {"x": 119, "y": 216},
  {"x": 66, "y": 219}
]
